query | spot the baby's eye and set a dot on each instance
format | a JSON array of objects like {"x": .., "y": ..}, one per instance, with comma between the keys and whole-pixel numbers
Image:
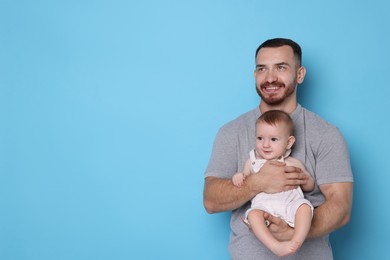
[
  {"x": 259, "y": 138},
  {"x": 274, "y": 139}
]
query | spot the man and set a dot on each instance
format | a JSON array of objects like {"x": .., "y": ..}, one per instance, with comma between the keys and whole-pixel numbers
[{"x": 319, "y": 145}]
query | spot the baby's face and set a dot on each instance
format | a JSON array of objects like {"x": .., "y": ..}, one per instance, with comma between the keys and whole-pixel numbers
[{"x": 271, "y": 140}]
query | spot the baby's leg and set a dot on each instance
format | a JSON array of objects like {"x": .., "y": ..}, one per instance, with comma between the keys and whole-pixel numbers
[
  {"x": 261, "y": 231},
  {"x": 303, "y": 218}
]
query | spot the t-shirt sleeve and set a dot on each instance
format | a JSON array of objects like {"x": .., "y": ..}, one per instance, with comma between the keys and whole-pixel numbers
[
  {"x": 223, "y": 160},
  {"x": 333, "y": 161}
]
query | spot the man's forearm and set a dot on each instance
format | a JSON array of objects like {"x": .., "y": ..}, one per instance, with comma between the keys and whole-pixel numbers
[
  {"x": 334, "y": 212},
  {"x": 221, "y": 195}
]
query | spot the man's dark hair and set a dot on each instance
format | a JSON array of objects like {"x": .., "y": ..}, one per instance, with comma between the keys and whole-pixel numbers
[{"x": 279, "y": 42}]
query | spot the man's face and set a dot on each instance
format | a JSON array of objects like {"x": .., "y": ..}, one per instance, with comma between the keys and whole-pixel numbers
[{"x": 277, "y": 74}]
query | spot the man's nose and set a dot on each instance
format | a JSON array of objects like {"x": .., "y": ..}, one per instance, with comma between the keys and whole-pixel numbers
[{"x": 271, "y": 76}]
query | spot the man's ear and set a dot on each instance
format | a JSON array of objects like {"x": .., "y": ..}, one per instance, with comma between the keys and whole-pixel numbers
[
  {"x": 301, "y": 74},
  {"x": 290, "y": 142}
]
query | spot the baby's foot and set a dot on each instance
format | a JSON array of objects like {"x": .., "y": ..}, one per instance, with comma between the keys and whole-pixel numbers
[{"x": 286, "y": 248}]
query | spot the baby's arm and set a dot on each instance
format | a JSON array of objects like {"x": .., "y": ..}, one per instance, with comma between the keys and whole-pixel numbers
[
  {"x": 239, "y": 178},
  {"x": 309, "y": 185}
]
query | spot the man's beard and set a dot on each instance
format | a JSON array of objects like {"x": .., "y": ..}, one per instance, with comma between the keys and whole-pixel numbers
[{"x": 273, "y": 99}]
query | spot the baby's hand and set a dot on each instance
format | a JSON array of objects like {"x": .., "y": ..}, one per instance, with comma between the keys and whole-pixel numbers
[{"x": 238, "y": 179}]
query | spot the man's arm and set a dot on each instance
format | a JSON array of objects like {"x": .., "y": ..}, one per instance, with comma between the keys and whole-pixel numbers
[
  {"x": 221, "y": 194},
  {"x": 335, "y": 212}
]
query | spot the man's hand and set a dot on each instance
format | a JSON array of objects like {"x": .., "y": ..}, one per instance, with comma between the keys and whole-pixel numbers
[
  {"x": 279, "y": 228},
  {"x": 276, "y": 177},
  {"x": 295, "y": 177},
  {"x": 222, "y": 195}
]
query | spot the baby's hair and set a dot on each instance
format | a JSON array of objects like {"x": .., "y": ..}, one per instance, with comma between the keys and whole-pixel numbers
[{"x": 274, "y": 117}]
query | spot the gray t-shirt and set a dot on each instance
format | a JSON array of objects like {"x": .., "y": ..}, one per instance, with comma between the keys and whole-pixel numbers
[{"x": 319, "y": 145}]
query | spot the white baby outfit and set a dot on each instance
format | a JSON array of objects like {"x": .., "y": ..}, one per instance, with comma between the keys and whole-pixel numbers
[{"x": 282, "y": 204}]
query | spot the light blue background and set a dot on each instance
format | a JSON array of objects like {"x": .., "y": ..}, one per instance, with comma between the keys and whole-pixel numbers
[{"x": 108, "y": 111}]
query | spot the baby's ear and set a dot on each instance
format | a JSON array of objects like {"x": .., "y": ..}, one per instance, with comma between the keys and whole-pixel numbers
[{"x": 290, "y": 142}]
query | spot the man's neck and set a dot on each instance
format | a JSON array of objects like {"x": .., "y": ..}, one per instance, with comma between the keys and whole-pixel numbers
[{"x": 288, "y": 107}]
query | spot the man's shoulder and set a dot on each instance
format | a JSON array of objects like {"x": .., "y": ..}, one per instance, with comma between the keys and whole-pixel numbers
[
  {"x": 316, "y": 122},
  {"x": 245, "y": 120},
  {"x": 319, "y": 130}
]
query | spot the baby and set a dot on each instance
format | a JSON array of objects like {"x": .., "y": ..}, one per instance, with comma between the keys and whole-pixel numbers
[{"x": 274, "y": 139}]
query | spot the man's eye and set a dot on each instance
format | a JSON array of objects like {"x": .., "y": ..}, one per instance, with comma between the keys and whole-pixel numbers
[
  {"x": 260, "y": 69},
  {"x": 281, "y": 68}
]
